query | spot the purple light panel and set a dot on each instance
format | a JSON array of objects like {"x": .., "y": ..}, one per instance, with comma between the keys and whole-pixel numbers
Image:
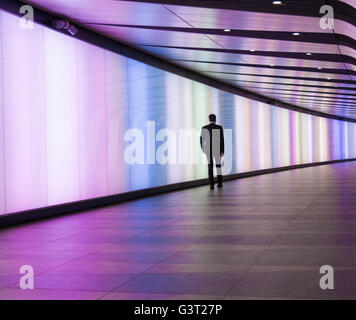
[{"x": 65, "y": 107}]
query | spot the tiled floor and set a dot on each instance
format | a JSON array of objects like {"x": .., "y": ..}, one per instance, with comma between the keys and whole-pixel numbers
[{"x": 260, "y": 237}]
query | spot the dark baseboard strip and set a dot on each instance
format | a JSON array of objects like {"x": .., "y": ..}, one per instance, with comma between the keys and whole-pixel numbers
[{"x": 77, "y": 206}]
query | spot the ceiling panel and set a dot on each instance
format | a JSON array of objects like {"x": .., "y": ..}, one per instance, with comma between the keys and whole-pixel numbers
[
  {"x": 157, "y": 37},
  {"x": 261, "y": 52},
  {"x": 302, "y": 87},
  {"x": 112, "y": 11},
  {"x": 211, "y": 56},
  {"x": 235, "y": 19},
  {"x": 270, "y": 71},
  {"x": 272, "y": 45},
  {"x": 350, "y": 2}
]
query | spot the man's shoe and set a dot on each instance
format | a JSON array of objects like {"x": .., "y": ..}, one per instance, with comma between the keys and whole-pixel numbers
[
  {"x": 220, "y": 186},
  {"x": 211, "y": 187}
]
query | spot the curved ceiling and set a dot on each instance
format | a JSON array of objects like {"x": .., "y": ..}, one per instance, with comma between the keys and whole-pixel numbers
[{"x": 277, "y": 50}]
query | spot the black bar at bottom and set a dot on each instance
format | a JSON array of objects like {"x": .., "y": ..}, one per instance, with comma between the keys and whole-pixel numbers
[{"x": 181, "y": 309}]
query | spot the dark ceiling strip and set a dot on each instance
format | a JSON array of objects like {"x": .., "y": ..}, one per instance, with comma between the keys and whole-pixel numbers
[
  {"x": 315, "y": 103},
  {"x": 323, "y": 90},
  {"x": 46, "y": 19},
  {"x": 293, "y": 92},
  {"x": 329, "y": 107},
  {"x": 343, "y": 11},
  {"x": 338, "y": 39},
  {"x": 326, "y": 104},
  {"x": 323, "y": 106},
  {"x": 306, "y": 8},
  {"x": 284, "y": 77},
  {"x": 275, "y": 67},
  {"x": 322, "y": 98},
  {"x": 343, "y": 40},
  {"x": 294, "y": 85},
  {"x": 292, "y": 55},
  {"x": 308, "y": 37},
  {"x": 316, "y": 100}
]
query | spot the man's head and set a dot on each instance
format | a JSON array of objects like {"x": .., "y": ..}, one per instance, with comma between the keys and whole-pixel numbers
[{"x": 212, "y": 117}]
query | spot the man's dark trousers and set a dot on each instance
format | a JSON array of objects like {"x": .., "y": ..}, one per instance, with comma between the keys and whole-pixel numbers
[
  {"x": 212, "y": 144},
  {"x": 217, "y": 161}
]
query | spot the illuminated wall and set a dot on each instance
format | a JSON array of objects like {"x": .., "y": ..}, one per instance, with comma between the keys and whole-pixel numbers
[{"x": 65, "y": 107}]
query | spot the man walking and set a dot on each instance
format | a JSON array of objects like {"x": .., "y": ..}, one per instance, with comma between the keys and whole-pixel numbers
[{"x": 212, "y": 144}]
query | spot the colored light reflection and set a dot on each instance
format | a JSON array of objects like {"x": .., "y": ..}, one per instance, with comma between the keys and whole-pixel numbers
[{"x": 66, "y": 106}]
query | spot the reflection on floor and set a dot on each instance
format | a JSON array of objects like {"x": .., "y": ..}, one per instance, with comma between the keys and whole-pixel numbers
[{"x": 260, "y": 237}]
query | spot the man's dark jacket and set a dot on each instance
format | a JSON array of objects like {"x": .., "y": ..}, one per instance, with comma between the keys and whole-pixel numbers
[{"x": 206, "y": 138}]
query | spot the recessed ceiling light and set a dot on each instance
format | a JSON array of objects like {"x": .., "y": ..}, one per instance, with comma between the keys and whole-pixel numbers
[
  {"x": 272, "y": 65},
  {"x": 309, "y": 54},
  {"x": 296, "y": 33},
  {"x": 320, "y": 68},
  {"x": 227, "y": 30},
  {"x": 252, "y": 50},
  {"x": 329, "y": 78},
  {"x": 277, "y": 2}
]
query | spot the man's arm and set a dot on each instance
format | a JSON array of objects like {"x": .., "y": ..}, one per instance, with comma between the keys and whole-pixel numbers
[
  {"x": 222, "y": 142},
  {"x": 204, "y": 140},
  {"x": 201, "y": 139}
]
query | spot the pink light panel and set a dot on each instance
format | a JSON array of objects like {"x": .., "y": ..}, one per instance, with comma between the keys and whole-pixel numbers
[{"x": 65, "y": 107}]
